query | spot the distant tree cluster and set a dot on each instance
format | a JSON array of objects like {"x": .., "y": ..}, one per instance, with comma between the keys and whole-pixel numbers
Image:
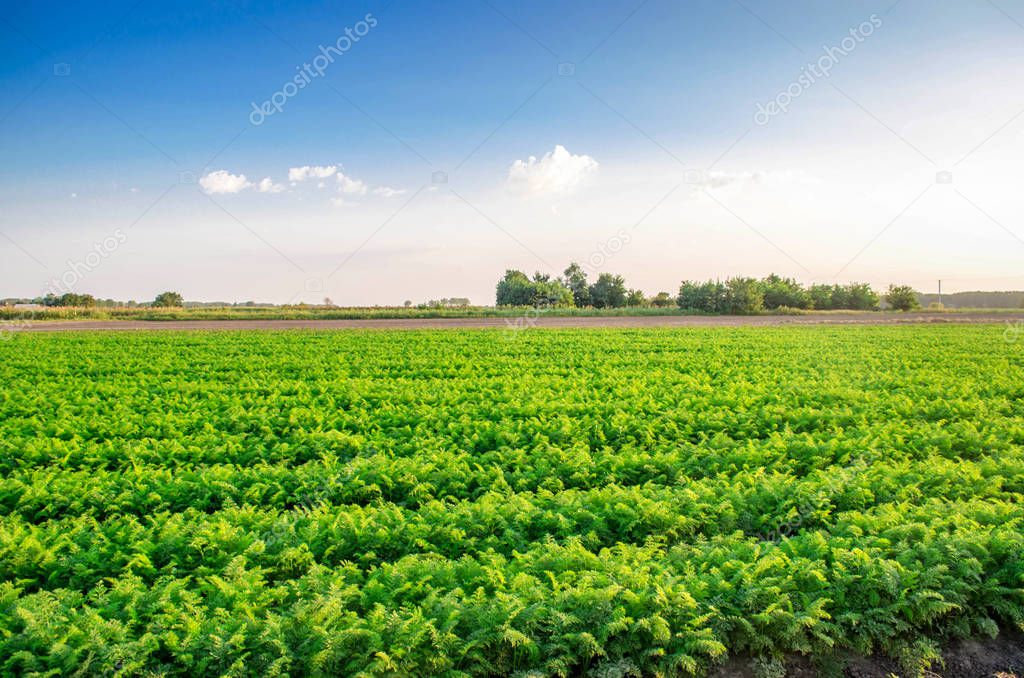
[
  {"x": 740, "y": 296},
  {"x": 902, "y": 298},
  {"x": 69, "y": 299},
  {"x": 517, "y": 289},
  {"x": 572, "y": 289},
  {"x": 735, "y": 296},
  {"x": 855, "y": 296},
  {"x": 72, "y": 299},
  {"x": 168, "y": 300},
  {"x": 445, "y": 302}
]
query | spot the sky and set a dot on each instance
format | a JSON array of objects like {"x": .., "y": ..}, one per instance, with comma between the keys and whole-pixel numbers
[{"x": 377, "y": 152}]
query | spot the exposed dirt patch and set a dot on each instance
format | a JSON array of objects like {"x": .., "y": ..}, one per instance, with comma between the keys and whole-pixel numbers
[
  {"x": 999, "y": 658},
  {"x": 1002, "y": 657}
]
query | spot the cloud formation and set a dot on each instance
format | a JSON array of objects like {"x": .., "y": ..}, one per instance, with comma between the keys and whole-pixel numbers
[
  {"x": 267, "y": 185},
  {"x": 701, "y": 179},
  {"x": 387, "y": 191},
  {"x": 350, "y": 186},
  {"x": 223, "y": 181},
  {"x": 559, "y": 171},
  {"x": 296, "y": 174},
  {"x": 716, "y": 179}
]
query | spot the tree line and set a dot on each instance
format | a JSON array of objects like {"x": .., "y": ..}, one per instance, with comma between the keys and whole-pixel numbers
[
  {"x": 572, "y": 289},
  {"x": 72, "y": 299},
  {"x": 736, "y": 295}
]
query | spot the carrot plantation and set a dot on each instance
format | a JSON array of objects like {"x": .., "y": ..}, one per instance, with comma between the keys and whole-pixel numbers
[{"x": 477, "y": 503}]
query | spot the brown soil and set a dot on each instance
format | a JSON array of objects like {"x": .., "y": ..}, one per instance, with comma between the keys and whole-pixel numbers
[
  {"x": 550, "y": 322},
  {"x": 1001, "y": 657}
]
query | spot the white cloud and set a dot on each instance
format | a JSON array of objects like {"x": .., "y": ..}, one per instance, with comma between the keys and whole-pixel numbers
[
  {"x": 559, "y": 171},
  {"x": 715, "y": 179},
  {"x": 267, "y": 185},
  {"x": 296, "y": 174},
  {"x": 350, "y": 186},
  {"x": 223, "y": 181},
  {"x": 346, "y": 184},
  {"x": 341, "y": 202},
  {"x": 700, "y": 179},
  {"x": 387, "y": 191}
]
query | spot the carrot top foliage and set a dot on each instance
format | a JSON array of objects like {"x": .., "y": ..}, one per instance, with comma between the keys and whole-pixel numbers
[{"x": 478, "y": 503}]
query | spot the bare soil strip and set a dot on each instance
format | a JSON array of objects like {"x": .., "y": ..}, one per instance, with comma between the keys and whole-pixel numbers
[
  {"x": 1000, "y": 657},
  {"x": 528, "y": 322}
]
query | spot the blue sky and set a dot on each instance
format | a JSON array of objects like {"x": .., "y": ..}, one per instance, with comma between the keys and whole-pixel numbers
[{"x": 106, "y": 114}]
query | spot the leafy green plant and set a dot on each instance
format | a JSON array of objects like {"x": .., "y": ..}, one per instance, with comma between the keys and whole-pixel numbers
[{"x": 600, "y": 502}]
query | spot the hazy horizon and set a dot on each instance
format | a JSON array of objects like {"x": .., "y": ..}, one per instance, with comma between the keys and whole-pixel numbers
[
  {"x": 928, "y": 295},
  {"x": 292, "y": 152}
]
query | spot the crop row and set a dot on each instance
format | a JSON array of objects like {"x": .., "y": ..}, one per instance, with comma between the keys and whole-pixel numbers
[{"x": 603, "y": 503}]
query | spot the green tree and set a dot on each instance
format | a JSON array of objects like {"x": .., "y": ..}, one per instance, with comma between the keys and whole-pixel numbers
[
  {"x": 70, "y": 299},
  {"x": 636, "y": 298},
  {"x": 855, "y": 296},
  {"x": 840, "y": 297},
  {"x": 608, "y": 292},
  {"x": 708, "y": 297},
  {"x": 902, "y": 298},
  {"x": 743, "y": 296},
  {"x": 821, "y": 297},
  {"x": 515, "y": 289},
  {"x": 787, "y": 292},
  {"x": 661, "y": 300},
  {"x": 575, "y": 279},
  {"x": 168, "y": 300},
  {"x": 552, "y": 293},
  {"x": 861, "y": 297}
]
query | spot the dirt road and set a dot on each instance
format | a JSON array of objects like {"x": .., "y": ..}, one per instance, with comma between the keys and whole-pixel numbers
[{"x": 541, "y": 321}]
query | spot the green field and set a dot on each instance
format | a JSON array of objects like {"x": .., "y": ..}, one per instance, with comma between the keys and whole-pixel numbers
[{"x": 579, "y": 502}]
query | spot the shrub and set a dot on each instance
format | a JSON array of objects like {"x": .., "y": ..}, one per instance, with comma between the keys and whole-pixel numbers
[
  {"x": 636, "y": 298},
  {"x": 784, "y": 292},
  {"x": 661, "y": 300},
  {"x": 708, "y": 297},
  {"x": 902, "y": 298},
  {"x": 608, "y": 292},
  {"x": 169, "y": 300},
  {"x": 515, "y": 289},
  {"x": 743, "y": 296}
]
